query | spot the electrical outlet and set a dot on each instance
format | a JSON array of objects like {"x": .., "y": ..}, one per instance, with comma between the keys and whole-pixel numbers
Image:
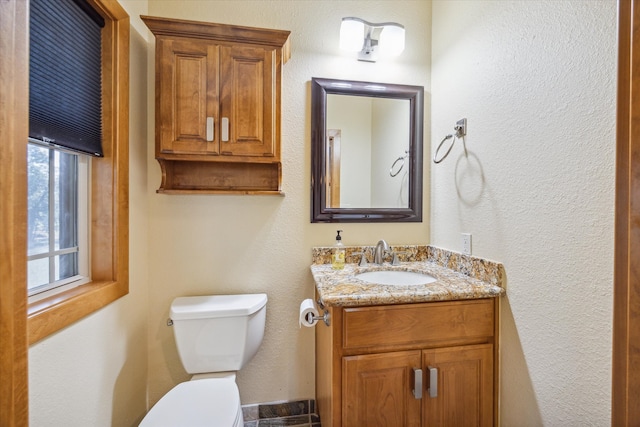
[{"x": 466, "y": 243}]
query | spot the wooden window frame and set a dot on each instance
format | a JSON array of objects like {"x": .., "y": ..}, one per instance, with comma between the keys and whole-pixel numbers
[
  {"x": 625, "y": 407},
  {"x": 14, "y": 83},
  {"x": 109, "y": 217}
]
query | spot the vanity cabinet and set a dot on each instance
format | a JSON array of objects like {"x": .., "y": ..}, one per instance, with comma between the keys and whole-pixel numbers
[
  {"x": 424, "y": 364},
  {"x": 218, "y": 90}
]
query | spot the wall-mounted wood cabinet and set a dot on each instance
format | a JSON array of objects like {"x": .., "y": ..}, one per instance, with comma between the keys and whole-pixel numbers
[
  {"x": 218, "y": 90},
  {"x": 427, "y": 364}
]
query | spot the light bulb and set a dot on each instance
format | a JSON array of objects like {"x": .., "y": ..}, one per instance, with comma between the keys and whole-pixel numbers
[
  {"x": 391, "y": 41},
  {"x": 351, "y": 35}
]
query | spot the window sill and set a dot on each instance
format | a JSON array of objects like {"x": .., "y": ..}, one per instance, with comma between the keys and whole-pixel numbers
[{"x": 58, "y": 311}]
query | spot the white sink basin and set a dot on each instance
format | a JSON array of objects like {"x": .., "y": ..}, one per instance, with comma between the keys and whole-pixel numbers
[{"x": 395, "y": 277}]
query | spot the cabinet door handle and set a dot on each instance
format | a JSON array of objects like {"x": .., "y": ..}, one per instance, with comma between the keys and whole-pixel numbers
[
  {"x": 417, "y": 383},
  {"x": 433, "y": 382},
  {"x": 225, "y": 129},
  {"x": 209, "y": 129}
]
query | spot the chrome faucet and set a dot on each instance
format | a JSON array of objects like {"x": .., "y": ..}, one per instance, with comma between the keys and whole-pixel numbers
[{"x": 381, "y": 248}]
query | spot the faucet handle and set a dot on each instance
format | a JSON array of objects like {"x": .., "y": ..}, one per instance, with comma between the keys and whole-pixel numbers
[
  {"x": 396, "y": 260},
  {"x": 363, "y": 259}
]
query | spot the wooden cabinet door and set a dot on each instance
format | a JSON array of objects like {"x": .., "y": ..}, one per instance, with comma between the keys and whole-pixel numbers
[
  {"x": 248, "y": 101},
  {"x": 464, "y": 386},
  {"x": 377, "y": 390},
  {"x": 188, "y": 92}
]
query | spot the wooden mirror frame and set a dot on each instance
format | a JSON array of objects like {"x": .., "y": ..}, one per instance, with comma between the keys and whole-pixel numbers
[{"x": 320, "y": 88}]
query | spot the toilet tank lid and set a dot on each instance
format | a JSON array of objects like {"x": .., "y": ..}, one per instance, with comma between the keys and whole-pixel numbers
[{"x": 211, "y": 306}]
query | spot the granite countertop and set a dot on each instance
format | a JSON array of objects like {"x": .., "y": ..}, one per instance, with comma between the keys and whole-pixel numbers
[{"x": 457, "y": 277}]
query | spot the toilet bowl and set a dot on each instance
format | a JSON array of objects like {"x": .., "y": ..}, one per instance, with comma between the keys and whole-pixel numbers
[
  {"x": 213, "y": 402},
  {"x": 216, "y": 336}
]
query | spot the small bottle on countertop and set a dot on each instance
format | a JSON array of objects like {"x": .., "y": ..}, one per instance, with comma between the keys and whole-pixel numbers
[{"x": 338, "y": 254}]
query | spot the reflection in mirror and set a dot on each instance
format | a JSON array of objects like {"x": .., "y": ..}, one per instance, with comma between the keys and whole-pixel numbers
[
  {"x": 366, "y": 151},
  {"x": 365, "y": 137}
]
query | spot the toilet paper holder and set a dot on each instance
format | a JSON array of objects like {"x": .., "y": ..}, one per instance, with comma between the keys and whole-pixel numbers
[{"x": 326, "y": 317}]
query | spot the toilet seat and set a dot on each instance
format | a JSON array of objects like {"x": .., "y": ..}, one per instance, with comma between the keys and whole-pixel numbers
[{"x": 199, "y": 403}]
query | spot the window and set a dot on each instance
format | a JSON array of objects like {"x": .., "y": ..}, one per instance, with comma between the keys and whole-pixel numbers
[
  {"x": 65, "y": 102},
  {"x": 107, "y": 203},
  {"x": 57, "y": 246}
]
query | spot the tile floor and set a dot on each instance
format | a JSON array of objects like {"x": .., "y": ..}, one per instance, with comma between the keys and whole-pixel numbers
[{"x": 299, "y": 413}]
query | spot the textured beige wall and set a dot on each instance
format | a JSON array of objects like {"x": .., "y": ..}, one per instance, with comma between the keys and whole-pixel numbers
[
  {"x": 94, "y": 372},
  {"x": 243, "y": 244},
  {"x": 536, "y": 80}
]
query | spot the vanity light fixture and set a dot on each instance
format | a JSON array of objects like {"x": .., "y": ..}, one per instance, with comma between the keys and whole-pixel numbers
[{"x": 371, "y": 40}]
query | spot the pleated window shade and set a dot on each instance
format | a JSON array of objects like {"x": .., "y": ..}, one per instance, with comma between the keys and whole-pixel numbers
[{"x": 65, "y": 75}]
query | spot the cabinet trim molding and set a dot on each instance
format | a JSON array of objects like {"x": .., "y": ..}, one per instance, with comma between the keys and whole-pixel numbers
[{"x": 231, "y": 34}]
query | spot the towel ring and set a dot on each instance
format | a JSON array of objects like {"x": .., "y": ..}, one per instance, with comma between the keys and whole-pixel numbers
[
  {"x": 435, "y": 160},
  {"x": 406, "y": 154},
  {"x": 461, "y": 132}
]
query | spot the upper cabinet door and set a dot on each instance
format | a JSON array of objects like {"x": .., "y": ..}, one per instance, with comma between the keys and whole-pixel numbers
[
  {"x": 248, "y": 101},
  {"x": 188, "y": 96}
]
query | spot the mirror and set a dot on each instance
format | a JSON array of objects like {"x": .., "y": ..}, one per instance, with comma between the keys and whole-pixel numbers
[{"x": 366, "y": 151}]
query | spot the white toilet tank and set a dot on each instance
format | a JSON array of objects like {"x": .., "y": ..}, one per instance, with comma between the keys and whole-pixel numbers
[{"x": 218, "y": 333}]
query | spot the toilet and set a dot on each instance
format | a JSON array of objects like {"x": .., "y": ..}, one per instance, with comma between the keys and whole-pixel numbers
[{"x": 216, "y": 336}]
